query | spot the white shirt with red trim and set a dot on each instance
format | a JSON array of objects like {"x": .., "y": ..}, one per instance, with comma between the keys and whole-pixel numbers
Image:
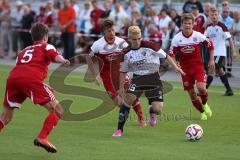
[{"x": 218, "y": 34}]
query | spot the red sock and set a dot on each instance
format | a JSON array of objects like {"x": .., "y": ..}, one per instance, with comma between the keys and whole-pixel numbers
[
  {"x": 138, "y": 109},
  {"x": 198, "y": 105},
  {"x": 1, "y": 125},
  {"x": 49, "y": 123},
  {"x": 204, "y": 98}
]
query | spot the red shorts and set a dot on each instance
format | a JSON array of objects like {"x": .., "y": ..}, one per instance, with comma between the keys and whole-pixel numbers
[
  {"x": 189, "y": 80},
  {"x": 111, "y": 85},
  {"x": 18, "y": 89}
]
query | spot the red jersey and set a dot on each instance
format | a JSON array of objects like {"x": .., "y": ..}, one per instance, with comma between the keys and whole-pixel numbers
[
  {"x": 33, "y": 61},
  {"x": 199, "y": 22},
  {"x": 188, "y": 49}
]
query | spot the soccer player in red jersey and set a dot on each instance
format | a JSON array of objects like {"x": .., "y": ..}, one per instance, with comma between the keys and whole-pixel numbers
[
  {"x": 186, "y": 46},
  {"x": 108, "y": 50},
  {"x": 26, "y": 80}
]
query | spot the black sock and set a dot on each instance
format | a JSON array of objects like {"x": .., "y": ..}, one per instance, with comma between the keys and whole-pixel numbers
[
  {"x": 209, "y": 80},
  {"x": 224, "y": 80},
  {"x": 123, "y": 116}
]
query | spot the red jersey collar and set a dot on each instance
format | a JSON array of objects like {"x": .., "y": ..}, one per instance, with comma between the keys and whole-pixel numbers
[
  {"x": 186, "y": 35},
  {"x": 109, "y": 42}
]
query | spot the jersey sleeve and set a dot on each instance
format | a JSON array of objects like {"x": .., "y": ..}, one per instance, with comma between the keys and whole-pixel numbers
[
  {"x": 160, "y": 53},
  {"x": 227, "y": 35},
  {"x": 124, "y": 65},
  {"x": 51, "y": 52},
  {"x": 94, "y": 49},
  {"x": 201, "y": 36}
]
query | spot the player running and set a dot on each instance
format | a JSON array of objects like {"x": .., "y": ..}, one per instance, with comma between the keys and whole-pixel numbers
[
  {"x": 26, "y": 80},
  {"x": 143, "y": 59},
  {"x": 186, "y": 47},
  {"x": 108, "y": 50}
]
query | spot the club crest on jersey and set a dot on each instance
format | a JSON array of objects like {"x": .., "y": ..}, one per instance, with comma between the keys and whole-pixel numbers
[{"x": 188, "y": 49}]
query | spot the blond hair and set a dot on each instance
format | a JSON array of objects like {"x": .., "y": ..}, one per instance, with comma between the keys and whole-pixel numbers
[{"x": 134, "y": 30}]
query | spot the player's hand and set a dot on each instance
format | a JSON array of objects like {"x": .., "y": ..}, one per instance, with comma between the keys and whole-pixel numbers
[
  {"x": 66, "y": 62},
  {"x": 98, "y": 80},
  {"x": 211, "y": 66},
  {"x": 179, "y": 70}
]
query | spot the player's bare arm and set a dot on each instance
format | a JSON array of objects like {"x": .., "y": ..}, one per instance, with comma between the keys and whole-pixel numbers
[{"x": 175, "y": 66}]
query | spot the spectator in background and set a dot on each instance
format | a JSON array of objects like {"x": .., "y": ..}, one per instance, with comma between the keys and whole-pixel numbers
[
  {"x": 236, "y": 27},
  {"x": 95, "y": 18},
  {"x": 207, "y": 7},
  {"x": 16, "y": 16},
  {"x": 32, "y": 12},
  {"x": 133, "y": 6},
  {"x": 124, "y": 29},
  {"x": 118, "y": 16},
  {"x": 26, "y": 23},
  {"x": 85, "y": 24},
  {"x": 228, "y": 21},
  {"x": 66, "y": 20},
  {"x": 137, "y": 20},
  {"x": 77, "y": 11},
  {"x": 5, "y": 29},
  {"x": 187, "y": 7},
  {"x": 108, "y": 6},
  {"x": 146, "y": 5},
  {"x": 176, "y": 18},
  {"x": 164, "y": 20},
  {"x": 199, "y": 20},
  {"x": 149, "y": 17},
  {"x": 154, "y": 34},
  {"x": 41, "y": 17},
  {"x": 49, "y": 15},
  {"x": 4, "y": 6}
]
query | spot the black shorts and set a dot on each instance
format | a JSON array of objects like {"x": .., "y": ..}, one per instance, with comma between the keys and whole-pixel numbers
[
  {"x": 151, "y": 85},
  {"x": 219, "y": 62}
]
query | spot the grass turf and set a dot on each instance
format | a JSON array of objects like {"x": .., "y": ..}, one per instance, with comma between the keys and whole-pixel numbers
[{"x": 92, "y": 140}]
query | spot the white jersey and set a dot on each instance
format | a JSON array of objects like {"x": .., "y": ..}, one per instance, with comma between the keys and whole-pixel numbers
[
  {"x": 108, "y": 53},
  {"x": 218, "y": 34},
  {"x": 105, "y": 48},
  {"x": 144, "y": 60}
]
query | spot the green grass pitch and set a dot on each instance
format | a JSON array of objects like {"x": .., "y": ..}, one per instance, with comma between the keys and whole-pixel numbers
[{"x": 92, "y": 140}]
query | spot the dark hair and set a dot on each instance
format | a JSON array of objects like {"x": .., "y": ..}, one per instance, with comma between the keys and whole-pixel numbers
[
  {"x": 187, "y": 16},
  {"x": 39, "y": 31},
  {"x": 107, "y": 24}
]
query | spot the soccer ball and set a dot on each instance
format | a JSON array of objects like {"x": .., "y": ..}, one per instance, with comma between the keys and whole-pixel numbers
[{"x": 194, "y": 132}]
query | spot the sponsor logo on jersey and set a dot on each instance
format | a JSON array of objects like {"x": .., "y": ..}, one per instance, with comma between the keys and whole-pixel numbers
[{"x": 187, "y": 49}]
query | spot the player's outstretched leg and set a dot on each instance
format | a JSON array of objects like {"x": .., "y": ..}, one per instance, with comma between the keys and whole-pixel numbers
[
  {"x": 138, "y": 109},
  {"x": 55, "y": 113},
  {"x": 6, "y": 116},
  {"x": 123, "y": 116}
]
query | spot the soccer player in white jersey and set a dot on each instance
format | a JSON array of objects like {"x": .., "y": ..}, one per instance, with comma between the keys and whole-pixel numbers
[
  {"x": 218, "y": 33},
  {"x": 108, "y": 50},
  {"x": 143, "y": 59},
  {"x": 186, "y": 47}
]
